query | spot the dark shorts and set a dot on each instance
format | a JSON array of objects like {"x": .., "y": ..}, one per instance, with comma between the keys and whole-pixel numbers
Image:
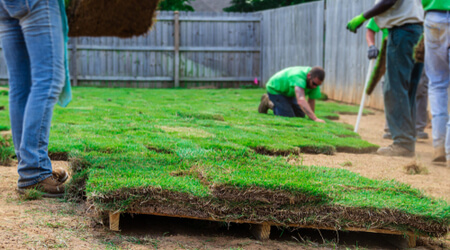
[{"x": 286, "y": 106}]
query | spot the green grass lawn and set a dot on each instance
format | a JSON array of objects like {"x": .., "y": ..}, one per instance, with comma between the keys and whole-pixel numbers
[{"x": 209, "y": 153}]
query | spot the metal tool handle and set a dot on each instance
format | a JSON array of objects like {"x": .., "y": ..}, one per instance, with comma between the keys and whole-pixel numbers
[{"x": 363, "y": 99}]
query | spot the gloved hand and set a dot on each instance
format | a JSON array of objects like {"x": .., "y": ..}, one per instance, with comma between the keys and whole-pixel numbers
[
  {"x": 372, "y": 53},
  {"x": 355, "y": 23}
]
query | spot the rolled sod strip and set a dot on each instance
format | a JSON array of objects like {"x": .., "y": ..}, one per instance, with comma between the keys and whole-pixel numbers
[
  {"x": 379, "y": 70},
  {"x": 119, "y": 18}
]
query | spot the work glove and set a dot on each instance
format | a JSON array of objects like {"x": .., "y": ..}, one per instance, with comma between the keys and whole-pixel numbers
[
  {"x": 372, "y": 53},
  {"x": 355, "y": 23}
]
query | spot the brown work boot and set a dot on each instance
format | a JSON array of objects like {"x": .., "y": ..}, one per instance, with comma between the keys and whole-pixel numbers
[
  {"x": 395, "y": 150},
  {"x": 439, "y": 154},
  {"x": 60, "y": 175},
  {"x": 265, "y": 104},
  {"x": 50, "y": 187}
]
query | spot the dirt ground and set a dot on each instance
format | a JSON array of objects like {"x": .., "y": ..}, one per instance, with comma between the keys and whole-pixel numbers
[{"x": 49, "y": 223}]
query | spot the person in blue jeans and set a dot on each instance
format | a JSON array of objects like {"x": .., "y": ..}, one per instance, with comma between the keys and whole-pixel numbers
[
  {"x": 437, "y": 67},
  {"x": 422, "y": 89},
  {"x": 32, "y": 36},
  {"x": 403, "y": 19}
]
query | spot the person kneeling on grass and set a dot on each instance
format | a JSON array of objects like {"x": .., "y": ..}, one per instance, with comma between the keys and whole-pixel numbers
[{"x": 287, "y": 91}]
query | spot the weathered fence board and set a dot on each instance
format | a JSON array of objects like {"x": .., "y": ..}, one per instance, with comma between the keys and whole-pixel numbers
[
  {"x": 230, "y": 47},
  {"x": 293, "y": 36},
  {"x": 346, "y": 60},
  {"x": 216, "y": 49}
]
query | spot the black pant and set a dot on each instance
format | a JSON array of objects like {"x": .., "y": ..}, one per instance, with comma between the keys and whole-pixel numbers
[{"x": 286, "y": 106}]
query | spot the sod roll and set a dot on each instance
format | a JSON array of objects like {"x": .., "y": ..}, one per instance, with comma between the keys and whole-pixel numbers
[
  {"x": 120, "y": 18},
  {"x": 419, "y": 50},
  {"x": 379, "y": 70}
]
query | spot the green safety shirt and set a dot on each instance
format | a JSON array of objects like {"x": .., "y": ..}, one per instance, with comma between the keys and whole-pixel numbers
[
  {"x": 285, "y": 81},
  {"x": 372, "y": 25},
  {"x": 436, "y": 4}
]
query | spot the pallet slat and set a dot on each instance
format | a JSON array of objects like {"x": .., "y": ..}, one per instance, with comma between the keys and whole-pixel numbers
[
  {"x": 261, "y": 231},
  {"x": 114, "y": 219}
]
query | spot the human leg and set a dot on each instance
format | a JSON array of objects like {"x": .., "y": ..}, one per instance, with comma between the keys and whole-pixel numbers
[
  {"x": 437, "y": 42},
  {"x": 17, "y": 61},
  {"x": 298, "y": 111},
  {"x": 282, "y": 105},
  {"x": 422, "y": 105},
  {"x": 399, "y": 90},
  {"x": 387, "y": 134},
  {"x": 41, "y": 26}
]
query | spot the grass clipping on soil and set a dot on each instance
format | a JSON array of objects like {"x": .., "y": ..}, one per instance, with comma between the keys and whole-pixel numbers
[
  {"x": 165, "y": 151},
  {"x": 120, "y": 18}
]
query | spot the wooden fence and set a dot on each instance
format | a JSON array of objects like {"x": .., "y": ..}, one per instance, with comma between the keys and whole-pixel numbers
[
  {"x": 346, "y": 62},
  {"x": 292, "y": 36},
  {"x": 182, "y": 50},
  {"x": 191, "y": 49}
]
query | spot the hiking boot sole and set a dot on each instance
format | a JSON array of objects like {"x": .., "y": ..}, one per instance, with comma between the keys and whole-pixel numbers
[
  {"x": 46, "y": 195},
  {"x": 263, "y": 106},
  {"x": 390, "y": 151},
  {"x": 439, "y": 155}
]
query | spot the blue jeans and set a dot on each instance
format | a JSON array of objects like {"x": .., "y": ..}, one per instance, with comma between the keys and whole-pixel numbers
[
  {"x": 437, "y": 66},
  {"x": 286, "y": 106},
  {"x": 402, "y": 78},
  {"x": 421, "y": 104},
  {"x": 32, "y": 39}
]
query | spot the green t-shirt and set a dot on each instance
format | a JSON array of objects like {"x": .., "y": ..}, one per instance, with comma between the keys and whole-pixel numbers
[
  {"x": 436, "y": 4},
  {"x": 285, "y": 81},
  {"x": 372, "y": 25}
]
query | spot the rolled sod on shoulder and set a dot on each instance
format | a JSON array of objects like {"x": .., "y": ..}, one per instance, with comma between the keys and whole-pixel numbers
[
  {"x": 379, "y": 69},
  {"x": 120, "y": 18},
  {"x": 419, "y": 51}
]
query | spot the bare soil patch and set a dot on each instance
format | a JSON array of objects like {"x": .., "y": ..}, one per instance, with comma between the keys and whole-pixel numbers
[{"x": 435, "y": 183}]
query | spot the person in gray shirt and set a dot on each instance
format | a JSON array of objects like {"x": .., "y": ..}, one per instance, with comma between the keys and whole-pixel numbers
[{"x": 404, "y": 21}]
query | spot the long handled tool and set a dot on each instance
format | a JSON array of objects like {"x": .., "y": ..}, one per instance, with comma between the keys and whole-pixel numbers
[{"x": 363, "y": 99}]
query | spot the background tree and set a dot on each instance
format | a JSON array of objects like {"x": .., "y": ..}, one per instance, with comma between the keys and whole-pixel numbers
[
  {"x": 172, "y": 5},
  {"x": 258, "y": 5}
]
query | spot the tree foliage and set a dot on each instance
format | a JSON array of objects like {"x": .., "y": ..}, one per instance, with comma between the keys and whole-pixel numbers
[
  {"x": 172, "y": 5},
  {"x": 258, "y": 5}
]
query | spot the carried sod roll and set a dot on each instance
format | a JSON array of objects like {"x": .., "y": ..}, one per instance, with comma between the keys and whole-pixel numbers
[
  {"x": 120, "y": 18},
  {"x": 419, "y": 50},
  {"x": 379, "y": 70}
]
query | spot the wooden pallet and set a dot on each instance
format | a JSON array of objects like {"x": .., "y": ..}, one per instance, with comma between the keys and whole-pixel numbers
[{"x": 262, "y": 231}]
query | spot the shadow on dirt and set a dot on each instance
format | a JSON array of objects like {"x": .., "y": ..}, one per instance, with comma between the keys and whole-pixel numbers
[{"x": 156, "y": 226}]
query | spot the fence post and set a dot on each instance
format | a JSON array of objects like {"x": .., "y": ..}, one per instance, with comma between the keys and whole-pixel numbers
[
  {"x": 261, "y": 52},
  {"x": 73, "y": 60},
  {"x": 177, "y": 49}
]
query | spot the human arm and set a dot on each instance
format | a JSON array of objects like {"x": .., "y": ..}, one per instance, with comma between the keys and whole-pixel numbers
[
  {"x": 377, "y": 9},
  {"x": 301, "y": 100},
  {"x": 373, "y": 51},
  {"x": 312, "y": 104},
  {"x": 370, "y": 37}
]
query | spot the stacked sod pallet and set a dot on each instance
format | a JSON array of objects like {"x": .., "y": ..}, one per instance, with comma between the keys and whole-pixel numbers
[
  {"x": 121, "y": 18},
  {"x": 209, "y": 154},
  {"x": 233, "y": 185}
]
